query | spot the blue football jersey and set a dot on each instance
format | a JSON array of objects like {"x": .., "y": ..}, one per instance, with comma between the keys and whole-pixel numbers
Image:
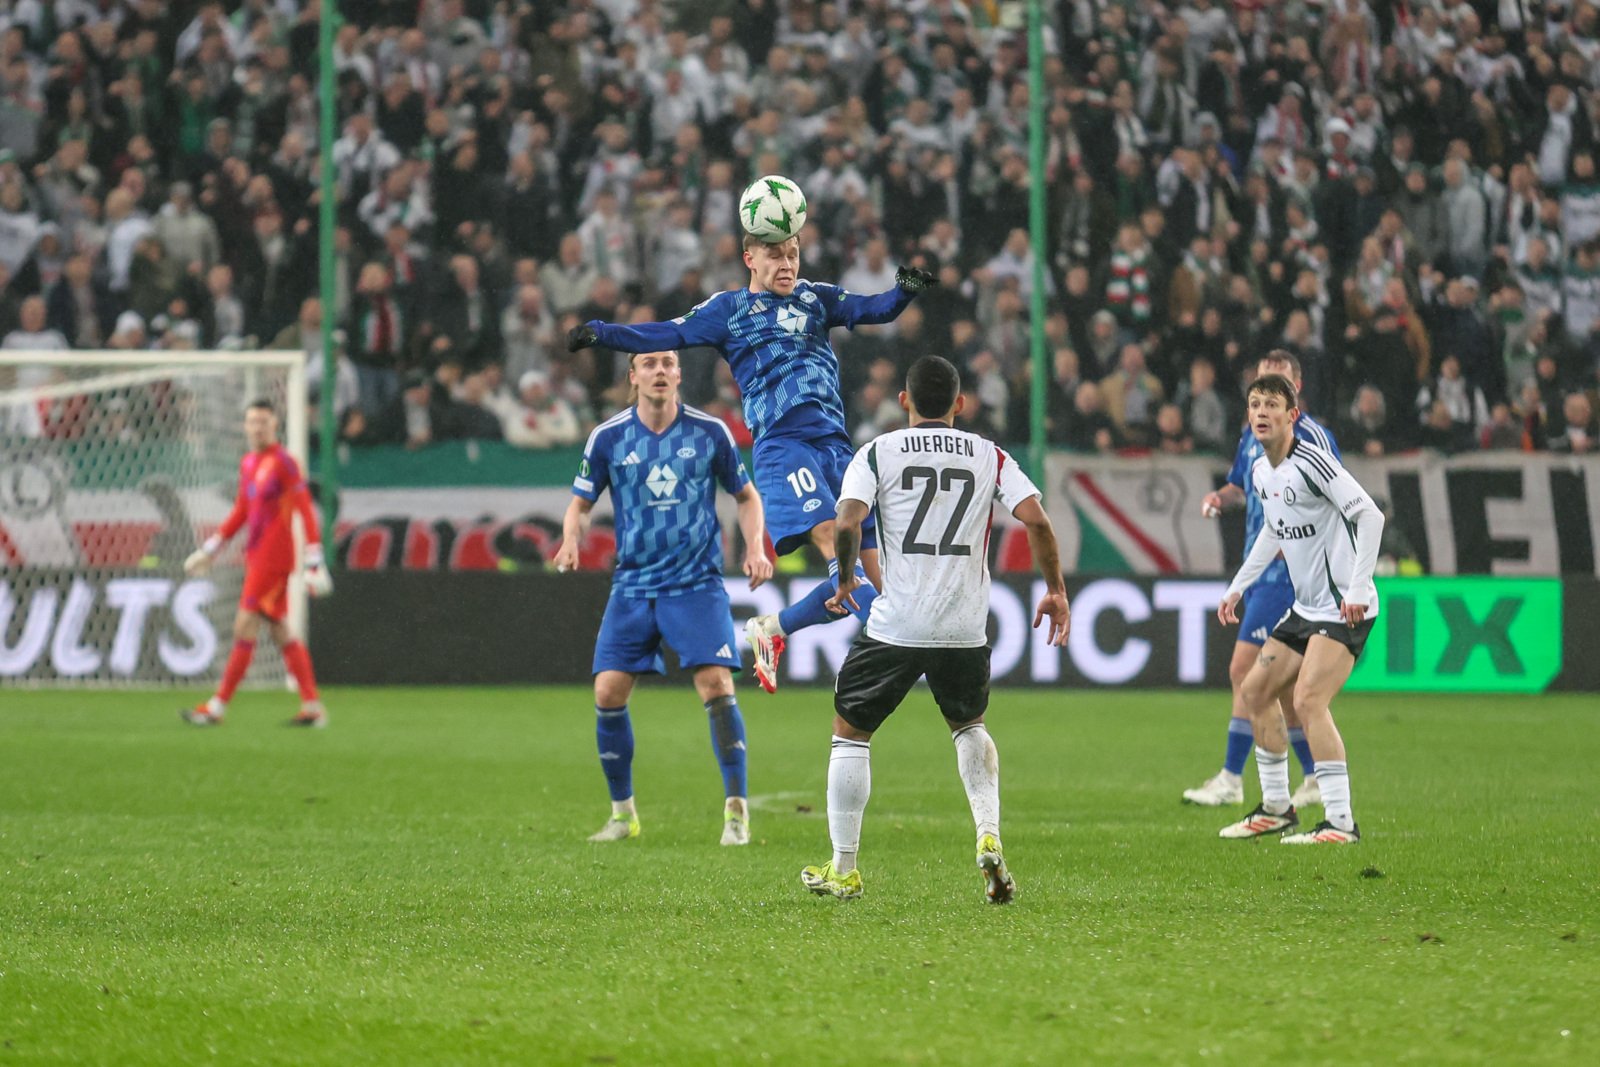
[
  {"x": 664, "y": 492},
  {"x": 777, "y": 347},
  {"x": 1306, "y": 429}
]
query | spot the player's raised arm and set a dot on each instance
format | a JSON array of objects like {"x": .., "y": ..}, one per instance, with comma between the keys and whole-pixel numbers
[
  {"x": 850, "y": 310},
  {"x": 705, "y": 324}
]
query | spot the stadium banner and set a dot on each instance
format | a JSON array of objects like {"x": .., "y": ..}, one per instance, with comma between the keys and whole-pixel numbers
[
  {"x": 113, "y": 628},
  {"x": 1446, "y": 635},
  {"x": 1510, "y": 514}
]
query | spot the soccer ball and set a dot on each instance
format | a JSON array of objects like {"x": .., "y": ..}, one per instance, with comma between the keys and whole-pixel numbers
[{"x": 772, "y": 208}]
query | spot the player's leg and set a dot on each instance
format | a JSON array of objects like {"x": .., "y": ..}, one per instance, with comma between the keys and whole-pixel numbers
[
  {"x": 1274, "y": 672},
  {"x": 1328, "y": 663},
  {"x": 297, "y": 658},
  {"x": 959, "y": 680},
  {"x": 246, "y": 628},
  {"x": 1308, "y": 792},
  {"x": 699, "y": 627},
  {"x": 872, "y": 682},
  {"x": 628, "y": 645}
]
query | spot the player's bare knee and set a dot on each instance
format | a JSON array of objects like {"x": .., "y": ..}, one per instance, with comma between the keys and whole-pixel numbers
[
  {"x": 849, "y": 733},
  {"x": 1244, "y": 657},
  {"x": 612, "y": 689},
  {"x": 246, "y": 626},
  {"x": 713, "y": 682}
]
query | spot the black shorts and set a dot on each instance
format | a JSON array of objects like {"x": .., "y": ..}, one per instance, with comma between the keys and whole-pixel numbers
[
  {"x": 1297, "y": 633},
  {"x": 876, "y": 677}
]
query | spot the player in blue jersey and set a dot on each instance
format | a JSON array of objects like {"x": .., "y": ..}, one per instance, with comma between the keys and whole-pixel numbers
[
  {"x": 1264, "y": 606},
  {"x": 662, "y": 461},
  {"x": 774, "y": 335}
]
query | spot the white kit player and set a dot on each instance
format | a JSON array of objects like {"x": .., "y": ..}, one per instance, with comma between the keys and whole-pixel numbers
[
  {"x": 1328, "y": 530},
  {"x": 933, "y": 487}
]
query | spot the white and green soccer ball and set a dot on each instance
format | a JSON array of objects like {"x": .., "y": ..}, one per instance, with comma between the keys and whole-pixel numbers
[{"x": 772, "y": 208}]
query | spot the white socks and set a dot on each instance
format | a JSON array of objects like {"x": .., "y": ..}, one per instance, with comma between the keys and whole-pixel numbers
[
  {"x": 1333, "y": 778},
  {"x": 849, "y": 785},
  {"x": 1274, "y": 770},
  {"x": 978, "y": 761}
]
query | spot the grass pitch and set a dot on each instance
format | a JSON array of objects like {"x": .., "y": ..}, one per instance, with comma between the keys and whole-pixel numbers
[{"x": 412, "y": 885}]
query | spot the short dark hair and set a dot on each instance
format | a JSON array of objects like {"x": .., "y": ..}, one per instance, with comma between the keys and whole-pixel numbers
[
  {"x": 263, "y": 404},
  {"x": 1283, "y": 355},
  {"x": 1275, "y": 385},
  {"x": 934, "y": 383}
]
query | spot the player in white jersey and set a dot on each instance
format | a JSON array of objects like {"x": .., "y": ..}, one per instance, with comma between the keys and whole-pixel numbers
[
  {"x": 933, "y": 487},
  {"x": 1328, "y": 530}
]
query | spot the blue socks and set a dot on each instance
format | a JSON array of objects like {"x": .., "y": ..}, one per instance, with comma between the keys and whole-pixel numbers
[
  {"x": 613, "y": 732},
  {"x": 1302, "y": 750},
  {"x": 1241, "y": 739},
  {"x": 811, "y": 609},
  {"x": 727, "y": 742}
]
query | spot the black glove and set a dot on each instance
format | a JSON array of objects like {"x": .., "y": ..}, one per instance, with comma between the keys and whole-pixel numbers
[
  {"x": 913, "y": 280},
  {"x": 581, "y": 337}
]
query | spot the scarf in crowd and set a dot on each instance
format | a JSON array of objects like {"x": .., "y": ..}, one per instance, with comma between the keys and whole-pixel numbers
[{"x": 1128, "y": 291}]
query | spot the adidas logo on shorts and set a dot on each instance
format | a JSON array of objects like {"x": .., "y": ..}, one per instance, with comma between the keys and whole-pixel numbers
[{"x": 725, "y": 652}]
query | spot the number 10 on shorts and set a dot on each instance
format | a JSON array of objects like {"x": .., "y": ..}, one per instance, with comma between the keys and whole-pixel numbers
[{"x": 802, "y": 481}]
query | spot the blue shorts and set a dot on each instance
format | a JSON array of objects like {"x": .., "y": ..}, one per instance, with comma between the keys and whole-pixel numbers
[
  {"x": 698, "y": 626},
  {"x": 799, "y": 485},
  {"x": 1265, "y": 606}
]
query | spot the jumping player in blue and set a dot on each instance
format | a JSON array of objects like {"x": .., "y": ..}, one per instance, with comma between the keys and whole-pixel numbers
[
  {"x": 1267, "y": 602},
  {"x": 662, "y": 461},
  {"x": 774, "y": 335}
]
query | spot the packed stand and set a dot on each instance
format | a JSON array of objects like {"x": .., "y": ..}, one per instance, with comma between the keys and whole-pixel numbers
[{"x": 1402, "y": 193}]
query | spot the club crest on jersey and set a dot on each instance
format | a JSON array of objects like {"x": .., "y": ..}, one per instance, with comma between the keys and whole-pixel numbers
[
  {"x": 808, "y": 297},
  {"x": 1288, "y": 494},
  {"x": 685, "y": 453},
  {"x": 812, "y": 505},
  {"x": 792, "y": 321},
  {"x": 661, "y": 482}
]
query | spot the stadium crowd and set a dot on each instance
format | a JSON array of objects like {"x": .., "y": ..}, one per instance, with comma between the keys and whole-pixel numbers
[{"x": 1402, "y": 192}]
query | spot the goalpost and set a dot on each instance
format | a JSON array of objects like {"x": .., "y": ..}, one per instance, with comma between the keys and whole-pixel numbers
[{"x": 114, "y": 466}]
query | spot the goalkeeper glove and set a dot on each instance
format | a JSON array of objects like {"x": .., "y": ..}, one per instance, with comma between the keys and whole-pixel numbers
[
  {"x": 318, "y": 581},
  {"x": 913, "y": 280},
  {"x": 199, "y": 561},
  {"x": 581, "y": 337}
]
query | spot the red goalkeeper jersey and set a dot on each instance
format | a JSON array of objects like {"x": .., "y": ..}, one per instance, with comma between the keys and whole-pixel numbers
[{"x": 271, "y": 490}]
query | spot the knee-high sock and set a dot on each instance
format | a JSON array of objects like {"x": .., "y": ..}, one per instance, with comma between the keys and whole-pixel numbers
[
  {"x": 811, "y": 609},
  {"x": 233, "y": 673},
  {"x": 849, "y": 786},
  {"x": 727, "y": 741},
  {"x": 979, "y": 763},
  {"x": 1241, "y": 739},
  {"x": 613, "y": 732},
  {"x": 1274, "y": 770},
  {"x": 1333, "y": 778},
  {"x": 298, "y": 659}
]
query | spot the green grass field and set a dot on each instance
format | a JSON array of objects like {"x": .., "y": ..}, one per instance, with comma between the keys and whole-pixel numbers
[{"x": 412, "y": 885}]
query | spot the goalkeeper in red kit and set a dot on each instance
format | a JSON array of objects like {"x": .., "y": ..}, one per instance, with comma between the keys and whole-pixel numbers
[{"x": 271, "y": 493}]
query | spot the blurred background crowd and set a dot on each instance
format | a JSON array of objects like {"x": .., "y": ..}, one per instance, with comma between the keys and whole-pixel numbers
[{"x": 1402, "y": 192}]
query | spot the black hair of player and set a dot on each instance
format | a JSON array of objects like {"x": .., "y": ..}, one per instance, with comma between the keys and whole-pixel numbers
[
  {"x": 1283, "y": 355},
  {"x": 263, "y": 404},
  {"x": 934, "y": 383},
  {"x": 1276, "y": 385}
]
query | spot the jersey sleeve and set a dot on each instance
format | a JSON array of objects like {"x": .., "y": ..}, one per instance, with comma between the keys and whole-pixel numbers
[
  {"x": 1012, "y": 486},
  {"x": 1313, "y": 432},
  {"x": 594, "y": 470},
  {"x": 861, "y": 477},
  {"x": 298, "y": 494},
  {"x": 704, "y": 324},
  {"x": 1239, "y": 473},
  {"x": 726, "y": 462},
  {"x": 847, "y": 309}
]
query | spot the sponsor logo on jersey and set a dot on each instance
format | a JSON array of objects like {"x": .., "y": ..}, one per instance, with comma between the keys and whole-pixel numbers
[
  {"x": 1295, "y": 533},
  {"x": 792, "y": 321},
  {"x": 685, "y": 453},
  {"x": 661, "y": 482}
]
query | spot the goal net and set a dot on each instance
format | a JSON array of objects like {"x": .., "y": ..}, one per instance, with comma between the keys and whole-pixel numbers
[{"x": 113, "y": 468}]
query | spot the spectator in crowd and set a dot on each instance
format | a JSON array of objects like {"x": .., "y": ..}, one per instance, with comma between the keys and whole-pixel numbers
[
  {"x": 1368, "y": 430},
  {"x": 537, "y": 418},
  {"x": 1203, "y": 410},
  {"x": 1091, "y": 429},
  {"x": 1132, "y": 397},
  {"x": 1580, "y": 430}
]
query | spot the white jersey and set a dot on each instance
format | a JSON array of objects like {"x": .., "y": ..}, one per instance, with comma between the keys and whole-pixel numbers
[
  {"x": 1326, "y": 526},
  {"x": 933, "y": 487}
]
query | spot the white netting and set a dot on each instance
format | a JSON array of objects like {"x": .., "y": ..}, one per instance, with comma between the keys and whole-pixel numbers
[{"x": 113, "y": 467}]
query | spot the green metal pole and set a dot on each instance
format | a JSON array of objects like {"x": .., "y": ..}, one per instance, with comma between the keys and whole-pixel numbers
[
  {"x": 328, "y": 465},
  {"x": 1036, "y": 226}
]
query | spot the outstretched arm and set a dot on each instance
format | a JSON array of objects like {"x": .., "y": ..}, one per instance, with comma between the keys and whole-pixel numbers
[
  {"x": 850, "y": 310},
  {"x": 706, "y": 324}
]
